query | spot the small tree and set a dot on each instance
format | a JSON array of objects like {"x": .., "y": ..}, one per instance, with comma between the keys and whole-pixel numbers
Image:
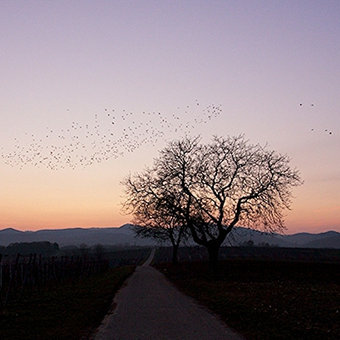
[
  {"x": 152, "y": 204},
  {"x": 165, "y": 233},
  {"x": 215, "y": 186}
]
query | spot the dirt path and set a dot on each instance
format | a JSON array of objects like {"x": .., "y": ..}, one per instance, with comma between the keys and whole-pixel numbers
[{"x": 150, "y": 307}]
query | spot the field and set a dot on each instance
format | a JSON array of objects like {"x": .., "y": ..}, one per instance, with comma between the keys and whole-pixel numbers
[
  {"x": 65, "y": 306},
  {"x": 262, "y": 293},
  {"x": 70, "y": 311},
  {"x": 192, "y": 254},
  {"x": 294, "y": 296}
]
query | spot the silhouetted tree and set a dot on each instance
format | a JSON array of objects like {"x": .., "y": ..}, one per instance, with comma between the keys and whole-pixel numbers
[
  {"x": 25, "y": 248},
  {"x": 218, "y": 185},
  {"x": 151, "y": 203},
  {"x": 249, "y": 243}
]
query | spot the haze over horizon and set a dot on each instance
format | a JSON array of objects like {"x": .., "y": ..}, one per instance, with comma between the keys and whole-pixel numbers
[
  {"x": 91, "y": 91},
  {"x": 33, "y": 230}
]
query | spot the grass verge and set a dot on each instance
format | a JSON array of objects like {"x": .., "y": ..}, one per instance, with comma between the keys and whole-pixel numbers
[
  {"x": 267, "y": 300},
  {"x": 70, "y": 311}
]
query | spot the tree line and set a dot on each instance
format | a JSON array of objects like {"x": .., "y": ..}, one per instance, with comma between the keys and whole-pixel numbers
[{"x": 25, "y": 248}]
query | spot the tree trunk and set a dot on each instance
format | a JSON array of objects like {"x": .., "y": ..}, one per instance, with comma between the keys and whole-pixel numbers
[
  {"x": 175, "y": 253},
  {"x": 213, "y": 250}
]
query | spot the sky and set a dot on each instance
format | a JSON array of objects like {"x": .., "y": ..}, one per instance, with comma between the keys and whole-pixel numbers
[{"x": 108, "y": 83}]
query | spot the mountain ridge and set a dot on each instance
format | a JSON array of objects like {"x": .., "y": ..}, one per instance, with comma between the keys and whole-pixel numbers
[{"x": 124, "y": 235}]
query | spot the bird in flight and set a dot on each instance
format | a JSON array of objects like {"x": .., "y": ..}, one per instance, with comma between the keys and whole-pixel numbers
[{"x": 107, "y": 137}]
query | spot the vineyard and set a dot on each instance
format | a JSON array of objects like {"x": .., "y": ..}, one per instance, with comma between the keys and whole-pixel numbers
[{"x": 21, "y": 275}]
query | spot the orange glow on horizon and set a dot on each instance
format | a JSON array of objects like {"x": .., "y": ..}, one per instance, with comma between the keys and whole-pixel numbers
[{"x": 297, "y": 220}]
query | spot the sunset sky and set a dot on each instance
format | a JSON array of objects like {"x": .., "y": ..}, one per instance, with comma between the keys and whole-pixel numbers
[{"x": 271, "y": 67}]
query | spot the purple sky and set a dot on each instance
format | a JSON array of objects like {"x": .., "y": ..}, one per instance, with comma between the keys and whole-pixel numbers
[{"x": 64, "y": 61}]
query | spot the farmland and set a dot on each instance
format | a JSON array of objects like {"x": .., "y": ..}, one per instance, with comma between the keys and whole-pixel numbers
[
  {"x": 262, "y": 293},
  {"x": 61, "y": 297},
  {"x": 265, "y": 293}
]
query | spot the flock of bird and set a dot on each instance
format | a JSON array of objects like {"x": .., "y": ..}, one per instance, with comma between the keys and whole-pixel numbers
[
  {"x": 111, "y": 134},
  {"x": 326, "y": 131},
  {"x": 329, "y": 132}
]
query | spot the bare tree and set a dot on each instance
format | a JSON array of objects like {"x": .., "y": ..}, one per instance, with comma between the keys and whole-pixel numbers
[
  {"x": 221, "y": 184},
  {"x": 152, "y": 202}
]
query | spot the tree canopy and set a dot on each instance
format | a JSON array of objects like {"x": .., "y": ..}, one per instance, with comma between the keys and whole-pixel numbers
[{"x": 210, "y": 188}]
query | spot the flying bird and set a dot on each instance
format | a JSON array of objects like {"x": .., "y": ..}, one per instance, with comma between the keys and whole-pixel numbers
[{"x": 106, "y": 137}]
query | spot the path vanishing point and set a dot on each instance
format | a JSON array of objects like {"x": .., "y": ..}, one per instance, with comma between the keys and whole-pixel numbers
[{"x": 149, "y": 307}]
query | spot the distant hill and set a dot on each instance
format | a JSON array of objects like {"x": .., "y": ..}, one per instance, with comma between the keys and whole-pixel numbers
[
  {"x": 240, "y": 235},
  {"x": 124, "y": 235},
  {"x": 329, "y": 239},
  {"x": 320, "y": 240},
  {"x": 76, "y": 236},
  {"x": 325, "y": 242}
]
